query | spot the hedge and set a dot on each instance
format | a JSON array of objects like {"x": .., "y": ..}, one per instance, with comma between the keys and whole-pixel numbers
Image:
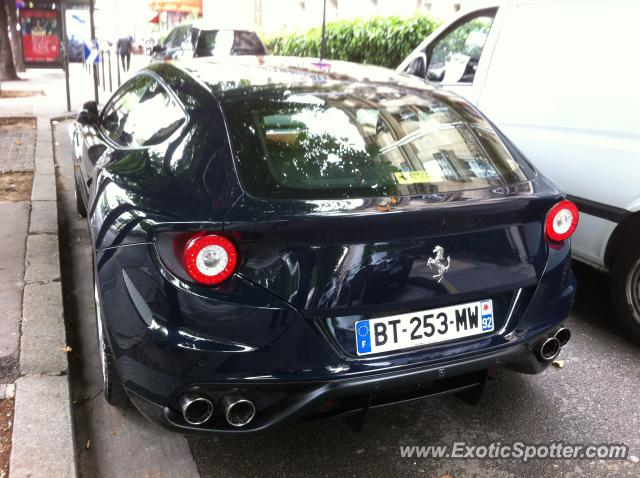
[{"x": 383, "y": 41}]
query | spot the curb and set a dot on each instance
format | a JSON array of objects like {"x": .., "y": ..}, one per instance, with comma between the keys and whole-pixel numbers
[{"x": 43, "y": 441}]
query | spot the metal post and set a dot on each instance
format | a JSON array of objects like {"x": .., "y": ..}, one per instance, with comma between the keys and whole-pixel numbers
[
  {"x": 93, "y": 35},
  {"x": 118, "y": 67},
  {"x": 104, "y": 83},
  {"x": 110, "y": 83},
  {"x": 323, "y": 45},
  {"x": 65, "y": 56}
]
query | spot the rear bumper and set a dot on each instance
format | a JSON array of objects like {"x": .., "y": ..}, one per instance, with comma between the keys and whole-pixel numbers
[
  {"x": 169, "y": 339},
  {"x": 343, "y": 397}
]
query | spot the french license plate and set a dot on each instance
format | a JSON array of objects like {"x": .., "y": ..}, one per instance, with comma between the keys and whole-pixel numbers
[{"x": 405, "y": 331}]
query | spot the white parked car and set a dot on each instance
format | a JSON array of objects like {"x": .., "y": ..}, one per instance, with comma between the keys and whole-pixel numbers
[{"x": 561, "y": 78}]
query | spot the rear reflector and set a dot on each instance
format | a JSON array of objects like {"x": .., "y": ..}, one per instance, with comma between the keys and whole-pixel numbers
[
  {"x": 209, "y": 258},
  {"x": 562, "y": 221}
]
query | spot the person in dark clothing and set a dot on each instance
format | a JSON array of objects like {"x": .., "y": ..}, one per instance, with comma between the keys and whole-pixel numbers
[{"x": 125, "y": 46}]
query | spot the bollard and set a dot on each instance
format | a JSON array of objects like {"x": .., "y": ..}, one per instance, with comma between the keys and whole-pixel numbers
[
  {"x": 118, "y": 67},
  {"x": 110, "y": 83},
  {"x": 104, "y": 83}
]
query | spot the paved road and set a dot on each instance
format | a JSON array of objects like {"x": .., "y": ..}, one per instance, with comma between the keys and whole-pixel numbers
[{"x": 593, "y": 399}]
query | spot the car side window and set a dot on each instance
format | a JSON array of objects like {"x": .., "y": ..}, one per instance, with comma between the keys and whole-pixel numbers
[
  {"x": 181, "y": 37},
  {"x": 454, "y": 57},
  {"x": 144, "y": 114},
  {"x": 247, "y": 43},
  {"x": 217, "y": 42},
  {"x": 168, "y": 42}
]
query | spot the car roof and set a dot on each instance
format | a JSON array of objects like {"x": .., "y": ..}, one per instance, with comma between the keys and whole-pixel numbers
[
  {"x": 207, "y": 26},
  {"x": 230, "y": 76}
]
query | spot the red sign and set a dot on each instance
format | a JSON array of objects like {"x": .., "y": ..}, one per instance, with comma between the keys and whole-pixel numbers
[{"x": 40, "y": 36}]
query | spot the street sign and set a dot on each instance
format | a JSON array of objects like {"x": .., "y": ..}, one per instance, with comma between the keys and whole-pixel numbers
[{"x": 91, "y": 53}]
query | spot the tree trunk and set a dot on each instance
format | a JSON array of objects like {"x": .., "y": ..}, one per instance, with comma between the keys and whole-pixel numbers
[
  {"x": 7, "y": 68},
  {"x": 16, "y": 39}
]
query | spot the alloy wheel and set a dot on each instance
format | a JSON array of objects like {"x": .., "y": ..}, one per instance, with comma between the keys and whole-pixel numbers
[{"x": 633, "y": 290}]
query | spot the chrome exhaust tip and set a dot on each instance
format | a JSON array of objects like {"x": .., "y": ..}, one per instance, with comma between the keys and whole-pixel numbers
[
  {"x": 549, "y": 349},
  {"x": 563, "y": 335},
  {"x": 196, "y": 409},
  {"x": 238, "y": 411}
]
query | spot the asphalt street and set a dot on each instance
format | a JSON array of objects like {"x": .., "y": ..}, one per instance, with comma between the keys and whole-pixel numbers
[{"x": 593, "y": 399}]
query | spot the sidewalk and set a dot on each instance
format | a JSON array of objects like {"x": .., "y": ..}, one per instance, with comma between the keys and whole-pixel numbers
[
  {"x": 17, "y": 144},
  {"x": 33, "y": 354},
  {"x": 33, "y": 344},
  {"x": 50, "y": 93}
]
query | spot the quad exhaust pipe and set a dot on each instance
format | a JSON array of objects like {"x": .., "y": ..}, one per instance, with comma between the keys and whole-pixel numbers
[
  {"x": 238, "y": 411},
  {"x": 196, "y": 409},
  {"x": 549, "y": 347},
  {"x": 563, "y": 335}
]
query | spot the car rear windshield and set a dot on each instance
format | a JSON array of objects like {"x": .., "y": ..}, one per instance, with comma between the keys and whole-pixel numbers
[
  {"x": 292, "y": 144},
  {"x": 229, "y": 42}
]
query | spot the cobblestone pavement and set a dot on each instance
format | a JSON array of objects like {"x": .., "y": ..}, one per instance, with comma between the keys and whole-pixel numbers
[{"x": 17, "y": 144}]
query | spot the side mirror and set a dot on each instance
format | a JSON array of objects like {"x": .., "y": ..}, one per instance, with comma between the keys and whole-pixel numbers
[
  {"x": 436, "y": 75},
  {"x": 86, "y": 119},
  {"x": 418, "y": 67},
  {"x": 158, "y": 48},
  {"x": 91, "y": 107},
  {"x": 89, "y": 115}
]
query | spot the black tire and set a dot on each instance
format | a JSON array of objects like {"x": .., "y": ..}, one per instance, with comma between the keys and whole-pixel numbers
[
  {"x": 113, "y": 389},
  {"x": 80, "y": 207},
  {"x": 625, "y": 287}
]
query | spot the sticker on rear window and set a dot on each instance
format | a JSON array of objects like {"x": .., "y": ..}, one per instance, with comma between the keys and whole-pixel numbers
[{"x": 412, "y": 177}]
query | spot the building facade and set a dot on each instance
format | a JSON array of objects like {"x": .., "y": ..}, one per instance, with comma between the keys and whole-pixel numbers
[{"x": 289, "y": 15}]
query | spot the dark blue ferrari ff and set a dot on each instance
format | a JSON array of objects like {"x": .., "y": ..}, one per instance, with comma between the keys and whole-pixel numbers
[{"x": 278, "y": 238}]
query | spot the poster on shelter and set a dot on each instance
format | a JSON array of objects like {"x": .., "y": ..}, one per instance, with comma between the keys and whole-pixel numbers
[{"x": 40, "y": 36}]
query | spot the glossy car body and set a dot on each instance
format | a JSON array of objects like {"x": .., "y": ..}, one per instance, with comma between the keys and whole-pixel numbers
[{"x": 280, "y": 331}]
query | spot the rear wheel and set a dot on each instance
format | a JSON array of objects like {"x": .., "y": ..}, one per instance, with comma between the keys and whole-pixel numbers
[
  {"x": 80, "y": 207},
  {"x": 626, "y": 287},
  {"x": 114, "y": 391}
]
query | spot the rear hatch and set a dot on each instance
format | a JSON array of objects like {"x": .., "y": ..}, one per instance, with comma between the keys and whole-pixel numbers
[
  {"x": 342, "y": 261},
  {"x": 367, "y": 201}
]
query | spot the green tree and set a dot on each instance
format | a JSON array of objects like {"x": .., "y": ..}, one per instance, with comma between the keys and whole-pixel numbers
[{"x": 383, "y": 41}]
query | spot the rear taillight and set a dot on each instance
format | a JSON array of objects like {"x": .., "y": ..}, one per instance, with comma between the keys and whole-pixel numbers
[
  {"x": 209, "y": 258},
  {"x": 561, "y": 221}
]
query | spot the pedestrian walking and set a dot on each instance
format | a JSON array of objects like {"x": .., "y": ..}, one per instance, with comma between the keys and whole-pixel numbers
[{"x": 125, "y": 46}]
